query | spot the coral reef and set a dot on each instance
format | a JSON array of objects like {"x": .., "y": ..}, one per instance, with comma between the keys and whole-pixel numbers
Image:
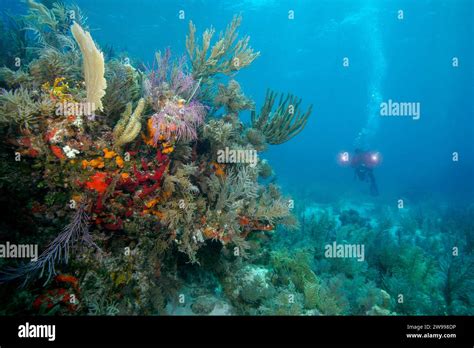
[
  {"x": 20, "y": 108},
  {"x": 123, "y": 86},
  {"x": 127, "y": 161},
  {"x": 232, "y": 99},
  {"x": 408, "y": 267},
  {"x": 136, "y": 213}
]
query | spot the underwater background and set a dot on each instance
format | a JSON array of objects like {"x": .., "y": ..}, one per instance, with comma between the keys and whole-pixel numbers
[
  {"x": 345, "y": 58},
  {"x": 402, "y": 60}
]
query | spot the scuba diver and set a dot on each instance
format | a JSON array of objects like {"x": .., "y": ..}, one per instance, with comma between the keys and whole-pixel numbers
[{"x": 363, "y": 163}]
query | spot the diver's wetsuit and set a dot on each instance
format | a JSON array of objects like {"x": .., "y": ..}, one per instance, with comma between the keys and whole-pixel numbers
[{"x": 363, "y": 170}]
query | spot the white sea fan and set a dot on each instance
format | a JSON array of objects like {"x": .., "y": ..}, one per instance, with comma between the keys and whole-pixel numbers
[{"x": 94, "y": 67}]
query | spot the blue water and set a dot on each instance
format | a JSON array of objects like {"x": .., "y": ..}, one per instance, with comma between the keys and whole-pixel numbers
[{"x": 404, "y": 60}]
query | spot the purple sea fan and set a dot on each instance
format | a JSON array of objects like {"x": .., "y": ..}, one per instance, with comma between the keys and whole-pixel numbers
[
  {"x": 182, "y": 83},
  {"x": 170, "y": 79},
  {"x": 75, "y": 233},
  {"x": 178, "y": 120},
  {"x": 172, "y": 90}
]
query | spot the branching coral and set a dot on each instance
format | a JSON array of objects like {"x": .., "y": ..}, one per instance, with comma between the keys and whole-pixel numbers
[
  {"x": 237, "y": 206},
  {"x": 294, "y": 269},
  {"x": 414, "y": 275},
  {"x": 129, "y": 125},
  {"x": 50, "y": 26},
  {"x": 180, "y": 181},
  {"x": 43, "y": 14},
  {"x": 220, "y": 133},
  {"x": 232, "y": 99},
  {"x": 18, "y": 107},
  {"x": 40, "y": 17},
  {"x": 273, "y": 209},
  {"x": 14, "y": 78},
  {"x": 226, "y": 55},
  {"x": 123, "y": 86},
  {"x": 318, "y": 296},
  {"x": 52, "y": 63},
  {"x": 257, "y": 139},
  {"x": 457, "y": 281},
  {"x": 52, "y": 51},
  {"x": 229, "y": 192},
  {"x": 282, "y": 124},
  {"x": 180, "y": 215}
]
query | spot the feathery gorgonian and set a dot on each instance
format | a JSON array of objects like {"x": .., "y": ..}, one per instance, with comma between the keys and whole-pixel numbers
[
  {"x": 172, "y": 89},
  {"x": 72, "y": 236},
  {"x": 170, "y": 78},
  {"x": 177, "y": 120}
]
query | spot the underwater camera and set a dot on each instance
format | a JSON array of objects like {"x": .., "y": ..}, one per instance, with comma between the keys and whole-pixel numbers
[{"x": 171, "y": 172}]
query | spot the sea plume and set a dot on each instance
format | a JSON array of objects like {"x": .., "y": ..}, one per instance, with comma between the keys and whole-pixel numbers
[
  {"x": 74, "y": 234},
  {"x": 179, "y": 121},
  {"x": 169, "y": 79},
  {"x": 171, "y": 91}
]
